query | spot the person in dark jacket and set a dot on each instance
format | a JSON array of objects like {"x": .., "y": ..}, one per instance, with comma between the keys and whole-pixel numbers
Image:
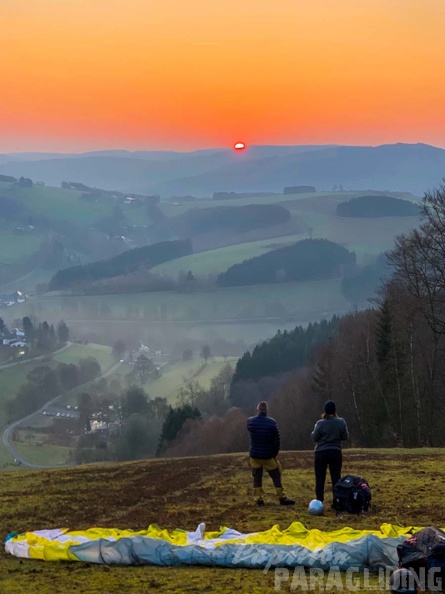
[
  {"x": 328, "y": 434},
  {"x": 264, "y": 448}
]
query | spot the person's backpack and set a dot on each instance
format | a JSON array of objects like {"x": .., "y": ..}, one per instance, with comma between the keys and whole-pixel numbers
[
  {"x": 352, "y": 494},
  {"x": 422, "y": 553}
]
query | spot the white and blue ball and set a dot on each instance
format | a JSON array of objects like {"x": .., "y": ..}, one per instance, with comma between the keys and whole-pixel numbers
[{"x": 316, "y": 508}]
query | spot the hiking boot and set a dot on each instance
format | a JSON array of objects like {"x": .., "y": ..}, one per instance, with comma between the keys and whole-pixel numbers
[
  {"x": 286, "y": 501},
  {"x": 260, "y": 503}
]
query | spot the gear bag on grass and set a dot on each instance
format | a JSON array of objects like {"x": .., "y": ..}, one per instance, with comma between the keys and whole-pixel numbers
[
  {"x": 424, "y": 554},
  {"x": 352, "y": 494}
]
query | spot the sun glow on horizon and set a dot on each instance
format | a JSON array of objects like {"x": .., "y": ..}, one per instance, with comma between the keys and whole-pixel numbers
[{"x": 168, "y": 75}]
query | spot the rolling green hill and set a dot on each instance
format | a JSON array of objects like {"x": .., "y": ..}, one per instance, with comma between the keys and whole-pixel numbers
[
  {"x": 218, "y": 260},
  {"x": 65, "y": 204},
  {"x": 367, "y": 238}
]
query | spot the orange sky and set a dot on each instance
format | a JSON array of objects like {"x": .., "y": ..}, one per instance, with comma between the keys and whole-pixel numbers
[{"x": 184, "y": 74}]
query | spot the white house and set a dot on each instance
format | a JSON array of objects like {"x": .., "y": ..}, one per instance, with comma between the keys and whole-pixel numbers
[{"x": 14, "y": 338}]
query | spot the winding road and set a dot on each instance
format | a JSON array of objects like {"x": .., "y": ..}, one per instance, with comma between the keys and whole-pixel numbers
[{"x": 10, "y": 428}]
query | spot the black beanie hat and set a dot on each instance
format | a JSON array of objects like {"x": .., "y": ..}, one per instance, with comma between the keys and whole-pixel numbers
[{"x": 330, "y": 408}]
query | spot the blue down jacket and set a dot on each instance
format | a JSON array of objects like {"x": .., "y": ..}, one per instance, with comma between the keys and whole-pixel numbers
[{"x": 264, "y": 437}]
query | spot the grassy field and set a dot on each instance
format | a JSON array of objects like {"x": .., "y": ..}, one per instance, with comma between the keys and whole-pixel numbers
[
  {"x": 175, "y": 376},
  {"x": 58, "y": 203},
  {"x": 184, "y": 492},
  {"x": 367, "y": 237},
  {"x": 79, "y": 351},
  {"x": 12, "y": 378},
  {"x": 27, "y": 283},
  {"x": 34, "y": 452},
  {"x": 219, "y": 260},
  {"x": 15, "y": 248},
  {"x": 262, "y": 301},
  {"x": 171, "y": 209},
  {"x": 67, "y": 205}
]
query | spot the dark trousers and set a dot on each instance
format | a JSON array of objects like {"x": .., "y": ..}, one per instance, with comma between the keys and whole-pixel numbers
[
  {"x": 323, "y": 459},
  {"x": 273, "y": 467}
]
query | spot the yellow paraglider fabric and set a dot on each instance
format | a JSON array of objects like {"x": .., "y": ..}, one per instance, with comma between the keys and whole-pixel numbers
[
  {"x": 54, "y": 545},
  {"x": 313, "y": 538}
]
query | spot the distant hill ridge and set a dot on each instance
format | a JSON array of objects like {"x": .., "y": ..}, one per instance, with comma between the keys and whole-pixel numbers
[{"x": 393, "y": 167}]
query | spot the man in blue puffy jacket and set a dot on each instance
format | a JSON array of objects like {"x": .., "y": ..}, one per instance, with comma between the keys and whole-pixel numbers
[{"x": 264, "y": 448}]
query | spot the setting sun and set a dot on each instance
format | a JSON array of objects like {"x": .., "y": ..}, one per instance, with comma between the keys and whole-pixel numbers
[{"x": 105, "y": 76}]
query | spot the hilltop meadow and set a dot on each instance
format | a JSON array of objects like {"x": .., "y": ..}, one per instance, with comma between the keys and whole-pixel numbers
[{"x": 406, "y": 485}]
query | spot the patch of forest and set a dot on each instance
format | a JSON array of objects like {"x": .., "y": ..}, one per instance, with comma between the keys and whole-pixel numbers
[
  {"x": 377, "y": 206},
  {"x": 125, "y": 263},
  {"x": 309, "y": 259}
]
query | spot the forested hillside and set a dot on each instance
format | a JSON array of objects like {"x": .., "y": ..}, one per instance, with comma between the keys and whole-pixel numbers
[
  {"x": 377, "y": 206},
  {"x": 147, "y": 256},
  {"x": 260, "y": 372},
  {"x": 308, "y": 259},
  {"x": 365, "y": 284},
  {"x": 287, "y": 350}
]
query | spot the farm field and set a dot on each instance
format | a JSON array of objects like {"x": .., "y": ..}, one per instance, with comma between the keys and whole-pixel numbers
[
  {"x": 368, "y": 237},
  {"x": 58, "y": 203},
  {"x": 36, "y": 452},
  {"x": 17, "y": 247},
  {"x": 277, "y": 301},
  {"x": 79, "y": 351},
  {"x": 211, "y": 489},
  {"x": 176, "y": 375},
  {"x": 219, "y": 260},
  {"x": 68, "y": 205},
  {"x": 171, "y": 209},
  {"x": 27, "y": 283}
]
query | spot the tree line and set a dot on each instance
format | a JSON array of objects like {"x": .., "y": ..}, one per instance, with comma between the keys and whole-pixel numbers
[
  {"x": 309, "y": 259},
  {"x": 126, "y": 262},
  {"x": 377, "y": 206},
  {"x": 40, "y": 337},
  {"x": 283, "y": 352}
]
